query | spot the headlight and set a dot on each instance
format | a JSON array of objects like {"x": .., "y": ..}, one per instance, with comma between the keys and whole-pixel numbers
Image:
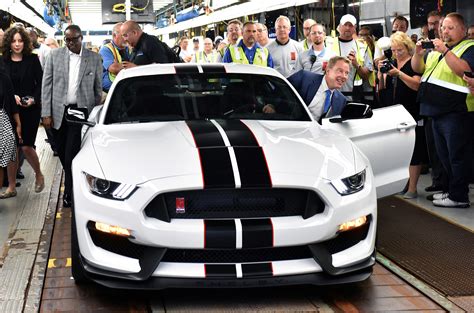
[
  {"x": 108, "y": 189},
  {"x": 351, "y": 184}
]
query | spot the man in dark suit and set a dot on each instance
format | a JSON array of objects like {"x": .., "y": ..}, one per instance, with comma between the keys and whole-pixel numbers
[
  {"x": 72, "y": 77},
  {"x": 321, "y": 92}
]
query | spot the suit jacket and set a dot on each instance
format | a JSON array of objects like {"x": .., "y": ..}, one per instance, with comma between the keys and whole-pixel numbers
[
  {"x": 56, "y": 80},
  {"x": 30, "y": 77},
  {"x": 307, "y": 84}
]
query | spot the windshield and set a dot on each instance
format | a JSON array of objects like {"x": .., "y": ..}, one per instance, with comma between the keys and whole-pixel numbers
[{"x": 203, "y": 96}]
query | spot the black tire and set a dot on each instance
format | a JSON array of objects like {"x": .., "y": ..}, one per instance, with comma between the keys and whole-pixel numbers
[{"x": 78, "y": 272}]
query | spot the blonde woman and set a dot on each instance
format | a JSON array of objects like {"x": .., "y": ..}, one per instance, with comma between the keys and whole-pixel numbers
[{"x": 402, "y": 85}]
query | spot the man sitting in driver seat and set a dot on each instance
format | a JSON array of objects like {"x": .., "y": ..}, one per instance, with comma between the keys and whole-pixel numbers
[{"x": 321, "y": 92}]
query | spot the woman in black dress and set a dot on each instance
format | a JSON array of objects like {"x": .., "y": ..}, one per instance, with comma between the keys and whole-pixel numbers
[
  {"x": 24, "y": 70},
  {"x": 10, "y": 132},
  {"x": 402, "y": 83}
]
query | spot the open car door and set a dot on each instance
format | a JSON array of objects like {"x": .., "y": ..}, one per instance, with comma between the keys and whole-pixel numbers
[{"x": 387, "y": 139}]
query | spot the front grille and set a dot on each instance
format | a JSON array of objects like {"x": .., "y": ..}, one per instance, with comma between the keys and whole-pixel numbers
[
  {"x": 347, "y": 239},
  {"x": 236, "y": 256},
  {"x": 235, "y": 203},
  {"x": 116, "y": 244}
]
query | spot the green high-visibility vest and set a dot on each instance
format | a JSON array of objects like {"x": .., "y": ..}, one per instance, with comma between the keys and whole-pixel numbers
[
  {"x": 201, "y": 57},
  {"x": 362, "y": 48},
  {"x": 117, "y": 58},
  {"x": 439, "y": 73},
  {"x": 238, "y": 56}
]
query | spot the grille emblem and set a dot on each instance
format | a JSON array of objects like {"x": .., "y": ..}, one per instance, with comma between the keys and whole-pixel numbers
[{"x": 180, "y": 208}]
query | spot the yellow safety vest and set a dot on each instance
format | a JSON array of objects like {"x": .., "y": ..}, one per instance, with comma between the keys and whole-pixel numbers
[
  {"x": 201, "y": 57},
  {"x": 305, "y": 44},
  {"x": 362, "y": 48},
  {"x": 117, "y": 57},
  {"x": 439, "y": 73},
  {"x": 238, "y": 56}
]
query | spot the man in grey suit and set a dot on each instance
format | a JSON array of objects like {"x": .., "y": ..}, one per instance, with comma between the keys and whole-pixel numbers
[{"x": 72, "y": 77}]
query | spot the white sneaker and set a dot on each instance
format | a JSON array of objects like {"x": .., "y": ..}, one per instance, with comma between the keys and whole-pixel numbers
[
  {"x": 441, "y": 195},
  {"x": 448, "y": 203}
]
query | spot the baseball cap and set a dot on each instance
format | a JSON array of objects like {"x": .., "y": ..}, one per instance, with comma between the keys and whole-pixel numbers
[
  {"x": 218, "y": 39},
  {"x": 348, "y": 18}
]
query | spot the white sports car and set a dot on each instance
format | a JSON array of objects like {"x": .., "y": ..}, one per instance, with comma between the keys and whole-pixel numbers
[{"x": 183, "y": 181}]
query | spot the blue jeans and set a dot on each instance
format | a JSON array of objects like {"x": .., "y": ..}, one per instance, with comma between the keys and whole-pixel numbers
[{"x": 453, "y": 144}]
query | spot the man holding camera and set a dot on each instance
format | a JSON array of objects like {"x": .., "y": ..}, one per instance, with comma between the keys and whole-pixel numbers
[{"x": 443, "y": 95}]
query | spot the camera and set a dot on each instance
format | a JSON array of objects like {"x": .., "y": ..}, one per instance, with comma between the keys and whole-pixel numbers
[
  {"x": 24, "y": 100},
  {"x": 427, "y": 44},
  {"x": 386, "y": 66}
]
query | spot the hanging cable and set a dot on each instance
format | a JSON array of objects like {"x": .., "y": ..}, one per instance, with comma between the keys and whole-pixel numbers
[{"x": 120, "y": 7}]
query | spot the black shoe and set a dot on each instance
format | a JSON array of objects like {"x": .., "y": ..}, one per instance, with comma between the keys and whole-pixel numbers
[
  {"x": 430, "y": 197},
  {"x": 20, "y": 175},
  {"x": 5, "y": 184},
  {"x": 433, "y": 188},
  {"x": 66, "y": 201}
]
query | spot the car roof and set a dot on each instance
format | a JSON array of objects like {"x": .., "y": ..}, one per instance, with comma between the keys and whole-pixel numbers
[{"x": 174, "y": 68}]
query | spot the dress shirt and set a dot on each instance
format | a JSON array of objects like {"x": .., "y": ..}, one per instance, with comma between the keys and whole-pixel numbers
[
  {"x": 74, "y": 65},
  {"x": 317, "y": 104}
]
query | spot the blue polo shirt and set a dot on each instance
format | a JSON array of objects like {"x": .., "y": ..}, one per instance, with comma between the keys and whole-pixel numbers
[
  {"x": 249, "y": 53},
  {"x": 107, "y": 60}
]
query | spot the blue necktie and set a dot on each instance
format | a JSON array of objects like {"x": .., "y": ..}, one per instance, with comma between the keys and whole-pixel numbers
[{"x": 327, "y": 101}]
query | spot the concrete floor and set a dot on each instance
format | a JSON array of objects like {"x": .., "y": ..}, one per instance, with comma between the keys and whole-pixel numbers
[{"x": 463, "y": 217}]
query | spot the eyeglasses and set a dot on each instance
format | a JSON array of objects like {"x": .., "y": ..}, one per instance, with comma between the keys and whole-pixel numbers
[
  {"x": 317, "y": 33},
  {"x": 282, "y": 27},
  {"x": 72, "y": 39},
  {"x": 306, "y": 28}
]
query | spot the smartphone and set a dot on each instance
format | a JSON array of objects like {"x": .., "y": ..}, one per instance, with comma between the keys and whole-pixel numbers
[
  {"x": 427, "y": 45},
  {"x": 469, "y": 74},
  {"x": 431, "y": 34}
]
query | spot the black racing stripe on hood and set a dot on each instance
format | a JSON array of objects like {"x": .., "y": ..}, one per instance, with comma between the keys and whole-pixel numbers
[
  {"x": 253, "y": 167},
  {"x": 238, "y": 133},
  {"x": 205, "y": 134},
  {"x": 216, "y": 168},
  {"x": 215, "y": 160}
]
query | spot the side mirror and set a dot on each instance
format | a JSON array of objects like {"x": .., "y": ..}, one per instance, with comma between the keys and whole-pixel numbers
[
  {"x": 78, "y": 116},
  {"x": 353, "y": 111}
]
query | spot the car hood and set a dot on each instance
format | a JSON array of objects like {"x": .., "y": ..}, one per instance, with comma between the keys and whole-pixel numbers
[{"x": 136, "y": 153}]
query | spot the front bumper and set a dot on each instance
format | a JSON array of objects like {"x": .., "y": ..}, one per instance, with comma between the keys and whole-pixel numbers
[
  {"x": 327, "y": 261},
  {"x": 355, "y": 273}
]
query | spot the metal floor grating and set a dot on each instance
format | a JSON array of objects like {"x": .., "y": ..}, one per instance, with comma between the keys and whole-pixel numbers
[{"x": 430, "y": 248}]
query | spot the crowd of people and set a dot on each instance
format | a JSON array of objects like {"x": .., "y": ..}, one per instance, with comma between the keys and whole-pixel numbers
[{"x": 430, "y": 75}]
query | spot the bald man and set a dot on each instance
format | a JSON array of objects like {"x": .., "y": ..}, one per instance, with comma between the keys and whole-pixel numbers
[
  {"x": 113, "y": 55},
  {"x": 208, "y": 55},
  {"x": 147, "y": 49},
  {"x": 306, "y": 42}
]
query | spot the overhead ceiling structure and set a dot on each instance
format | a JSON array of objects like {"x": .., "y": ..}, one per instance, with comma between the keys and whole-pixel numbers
[
  {"x": 247, "y": 8},
  {"x": 29, "y": 11},
  {"x": 88, "y": 13}
]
